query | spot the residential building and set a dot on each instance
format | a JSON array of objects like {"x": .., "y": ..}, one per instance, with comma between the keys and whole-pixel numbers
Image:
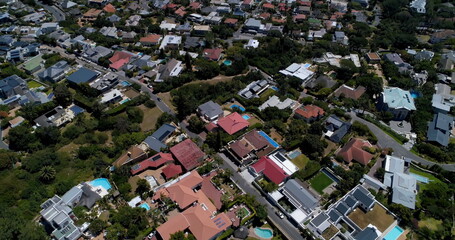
[
  {"x": 201, "y": 30},
  {"x": 133, "y": 154},
  {"x": 105, "y": 83},
  {"x": 133, "y": 21},
  {"x": 441, "y": 36},
  {"x": 154, "y": 162},
  {"x": 397, "y": 101},
  {"x": 15, "y": 55},
  {"x": 420, "y": 78},
  {"x": 233, "y": 123},
  {"x": 151, "y": 40},
  {"x": 94, "y": 54},
  {"x": 171, "y": 69},
  {"x": 396, "y": 59},
  {"x": 120, "y": 59},
  {"x": 16, "y": 121},
  {"x": 336, "y": 128},
  {"x": 248, "y": 147},
  {"x": 109, "y": 8},
  {"x": 403, "y": 185},
  {"x": 83, "y": 75},
  {"x": 340, "y": 37},
  {"x": 157, "y": 141},
  {"x": 439, "y": 130},
  {"x": 12, "y": 85},
  {"x": 188, "y": 154},
  {"x": 193, "y": 42},
  {"x": 424, "y": 55},
  {"x": 111, "y": 96},
  {"x": 252, "y": 43},
  {"x": 364, "y": 3},
  {"x": 213, "y": 54},
  {"x": 254, "y": 89},
  {"x": 442, "y": 102},
  {"x": 171, "y": 42},
  {"x": 210, "y": 111},
  {"x": 299, "y": 71},
  {"x": 354, "y": 150},
  {"x": 91, "y": 15},
  {"x": 109, "y": 32},
  {"x": 322, "y": 81},
  {"x": 274, "y": 101},
  {"x": 349, "y": 92},
  {"x": 419, "y": 5},
  {"x": 373, "y": 57},
  {"x": 309, "y": 113},
  {"x": 55, "y": 73},
  {"x": 252, "y": 24},
  {"x": 268, "y": 169},
  {"x": 447, "y": 61},
  {"x": 33, "y": 65}
]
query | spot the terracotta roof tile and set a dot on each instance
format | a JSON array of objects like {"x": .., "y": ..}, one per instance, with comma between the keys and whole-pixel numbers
[
  {"x": 188, "y": 154},
  {"x": 353, "y": 151},
  {"x": 233, "y": 123}
]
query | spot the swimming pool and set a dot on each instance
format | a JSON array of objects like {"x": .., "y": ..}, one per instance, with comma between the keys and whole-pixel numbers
[
  {"x": 274, "y": 88},
  {"x": 415, "y": 94},
  {"x": 420, "y": 178},
  {"x": 125, "y": 83},
  {"x": 307, "y": 65},
  {"x": 270, "y": 140},
  {"x": 227, "y": 62},
  {"x": 101, "y": 182},
  {"x": 237, "y": 106},
  {"x": 263, "y": 232},
  {"x": 394, "y": 233},
  {"x": 124, "y": 100},
  {"x": 246, "y": 117},
  {"x": 145, "y": 206},
  {"x": 294, "y": 154}
]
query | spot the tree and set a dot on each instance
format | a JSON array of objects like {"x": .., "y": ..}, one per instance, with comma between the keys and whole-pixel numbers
[
  {"x": 206, "y": 69},
  {"x": 182, "y": 236},
  {"x": 313, "y": 144},
  {"x": 32, "y": 231},
  {"x": 20, "y": 138},
  {"x": 188, "y": 65},
  {"x": 379, "y": 174},
  {"x": 196, "y": 124},
  {"x": 97, "y": 226},
  {"x": 47, "y": 174},
  {"x": 261, "y": 212},
  {"x": 62, "y": 95},
  {"x": 48, "y": 135},
  {"x": 270, "y": 187},
  {"x": 142, "y": 186},
  {"x": 135, "y": 114}
]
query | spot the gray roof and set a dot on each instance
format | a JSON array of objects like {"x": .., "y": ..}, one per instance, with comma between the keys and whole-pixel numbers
[
  {"x": 368, "y": 233},
  {"x": 363, "y": 196},
  {"x": 350, "y": 201},
  {"x": 343, "y": 208},
  {"x": 334, "y": 215},
  {"x": 404, "y": 190},
  {"x": 210, "y": 109},
  {"x": 54, "y": 71},
  {"x": 83, "y": 75},
  {"x": 47, "y": 119},
  {"x": 393, "y": 57},
  {"x": 253, "y": 23},
  {"x": 323, "y": 80},
  {"x": 155, "y": 141},
  {"x": 319, "y": 219},
  {"x": 439, "y": 129},
  {"x": 424, "y": 55},
  {"x": 11, "y": 85},
  {"x": 300, "y": 194},
  {"x": 70, "y": 196},
  {"x": 166, "y": 69}
]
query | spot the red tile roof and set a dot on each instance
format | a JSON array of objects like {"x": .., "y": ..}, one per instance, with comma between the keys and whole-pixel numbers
[
  {"x": 211, "y": 126},
  {"x": 181, "y": 12},
  {"x": 109, "y": 8},
  {"x": 211, "y": 191},
  {"x": 310, "y": 111},
  {"x": 195, "y": 5},
  {"x": 151, "y": 38},
  {"x": 212, "y": 53},
  {"x": 188, "y": 154},
  {"x": 353, "y": 151},
  {"x": 304, "y": 3},
  {"x": 256, "y": 139},
  {"x": 349, "y": 92},
  {"x": 264, "y": 16},
  {"x": 119, "y": 59},
  {"x": 171, "y": 171},
  {"x": 247, "y": 2},
  {"x": 268, "y": 5},
  {"x": 273, "y": 172},
  {"x": 299, "y": 17},
  {"x": 231, "y": 21},
  {"x": 233, "y": 123},
  {"x": 155, "y": 161}
]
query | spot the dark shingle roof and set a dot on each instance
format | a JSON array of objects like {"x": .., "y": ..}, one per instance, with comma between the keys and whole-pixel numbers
[{"x": 83, "y": 75}]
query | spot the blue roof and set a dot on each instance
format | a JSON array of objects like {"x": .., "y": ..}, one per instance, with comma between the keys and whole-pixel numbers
[
  {"x": 439, "y": 129},
  {"x": 83, "y": 75},
  {"x": 397, "y": 98}
]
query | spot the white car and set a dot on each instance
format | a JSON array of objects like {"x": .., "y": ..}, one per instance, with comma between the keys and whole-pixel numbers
[{"x": 280, "y": 214}]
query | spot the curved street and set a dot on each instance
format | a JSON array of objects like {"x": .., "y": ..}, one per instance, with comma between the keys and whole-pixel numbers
[{"x": 386, "y": 141}]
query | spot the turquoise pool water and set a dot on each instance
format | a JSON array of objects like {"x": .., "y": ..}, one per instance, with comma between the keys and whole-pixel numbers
[
  {"x": 394, "y": 233},
  {"x": 237, "y": 106},
  {"x": 307, "y": 65},
  {"x": 227, "y": 62},
  {"x": 274, "y": 88},
  {"x": 101, "y": 182},
  {"x": 145, "y": 206},
  {"x": 419, "y": 178},
  {"x": 415, "y": 94},
  {"x": 124, "y": 100},
  {"x": 270, "y": 140},
  {"x": 263, "y": 233},
  {"x": 125, "y": 83},
  {"x": 246, "y": 117},
  {"x": 294, "y": 154}
]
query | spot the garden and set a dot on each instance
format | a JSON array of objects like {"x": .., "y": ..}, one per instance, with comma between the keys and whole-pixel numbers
[{"x": 320, "y": 182}]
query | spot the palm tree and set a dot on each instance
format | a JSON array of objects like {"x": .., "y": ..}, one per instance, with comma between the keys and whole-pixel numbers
[{"x": 47, "y": 173}]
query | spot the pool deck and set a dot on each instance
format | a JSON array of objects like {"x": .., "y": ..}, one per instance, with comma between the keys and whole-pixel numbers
[{"x": 403, "y": 235}]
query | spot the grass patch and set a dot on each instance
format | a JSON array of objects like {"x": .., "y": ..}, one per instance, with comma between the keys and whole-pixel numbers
[
  {"x": 33, "y": 84},
  {"x": 151, "y": 115},
  {"x": 378, "y": 217},
  {"x": 266, "y": 94},
  {"x": 431, "y": 223},
  {"x": 320, "y": 182},
  {"x": 301, "y": 161},
  {"x": 430, "y": 176},
  {"x": 330, "y": 232}
]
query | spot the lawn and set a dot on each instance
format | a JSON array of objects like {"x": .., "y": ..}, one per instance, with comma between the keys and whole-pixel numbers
[
  {"x": 243, "y": 212},
  {"x": 330, "y": 232},
  {"x": 378, "y": 217},
  {"x": 301, "y": 161},
  {"x": 151, "y": 115},
  {"x": 430, "y": 176},
  {"x": 320, "y": 182},
  {"x": 33, "y": 84},
  {"x": 431, "y": 224}
]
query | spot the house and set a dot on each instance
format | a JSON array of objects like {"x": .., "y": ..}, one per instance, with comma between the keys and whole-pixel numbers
[
  {"x": 299, "y": 71},
  {"x": 91, "y": 15},
  {"x": 184, "y": 28},
  {"x": 424, "y": 55},
  {"x": 354, "y": 151},
  {"x": 193, "y": 42},
  {"x": 201, "y": 30},
  {"x": 309, "y": 113},
  {"x": 397, "y": 101},
  {"x": 274, "y": 101},
  {"x": 109, "y": 32},
  {"x": 210, "y": 111},
  {"x": 404, "y": 189},
  {"x": 15, "y": 55},
  {"x": 247, "y": 4},
  {"x": 254, "y": 89},
  {"x": 128, "y": 37},
  {"x": 188, "y": 154},
  {"x": 396, "y": 59},
  {"x": 83, "y": 75},
  {"x": 133, "y": 21},
  {"x": 340, "y": 37},
  {"x": 12, "y": 85},
  {"x": 157, "y": 140},
  {"x": 420, "y": 78},
  {"x": 336, "y": 128},
  {"x": 171, "y": 171},
  {"x": 252, "y": 43},
  {"x": 231, "y": 22},
  {"x": 54, "y": 73},
  {"x": 33, "y": 65},
  {"x": 301, "y": 198},
  {"x": 363, "y": 3},
  {"x": 213, "y": 54},
  {"x": 94, "y": 54},
  {"x": 120, "y": 59},
  {"x": 133, "y": 154},
  {"x": 150, "y": 40},
  {"x": 153, "y": 162},
  {"x": 171, "y": 69},
  {"x": 373, "y": 57},
  {"x": 269, "y": 169},
  {"x": 109, "y": 8},
  {"x": 322, "y": 81},
  {"x": 233, "y": 123},
  {"x": 447, "y": 61},
  {"x": 441, "y": 36},
  {"x": 349, "y": 92},
  {"x": 252, "y": 24},
  {"x": 419, "y": 5},
  {"x": 111, "y": 96},
  {"x": 439, "y": 130},
  {"x": 443, "y": 101},
  {"x": 105, "y": 83},
  {"x": 55, "y": 117},
  {"x": 16, "y": 121},
  {"x": 171, "y": 42},
  {"x": 251, "y": 145}
]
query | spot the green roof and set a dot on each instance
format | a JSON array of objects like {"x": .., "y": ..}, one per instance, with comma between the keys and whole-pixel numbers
[{"x": 33, "y": 63}]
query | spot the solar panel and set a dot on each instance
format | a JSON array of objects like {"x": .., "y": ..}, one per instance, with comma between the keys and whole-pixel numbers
[
  {"x": 164, "y": 135},
  {"x": 156, "y": 157},
  {"x": 280, "y": 157}
]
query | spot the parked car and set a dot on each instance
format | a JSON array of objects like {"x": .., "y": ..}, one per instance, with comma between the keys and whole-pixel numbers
[{"x": 280, "y": 214}]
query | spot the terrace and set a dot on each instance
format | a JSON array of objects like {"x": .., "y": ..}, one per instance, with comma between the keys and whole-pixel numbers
[{"x": 378, "y": 217}]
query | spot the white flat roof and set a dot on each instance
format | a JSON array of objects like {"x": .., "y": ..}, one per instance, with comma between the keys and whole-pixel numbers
[
  {"x": 276, "y": 195},
  {"x": 298, "y": 215},
  {"x": 286, "y": 165}
]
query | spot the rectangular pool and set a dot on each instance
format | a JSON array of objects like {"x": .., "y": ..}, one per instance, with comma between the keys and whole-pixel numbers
[
  {"x": 125, "y": 83},
  {"x": 394, "y": 233},
  {"x": 246, "y": 117},
  {"x": 269, "y": 139},
  {"x": 294, "y": 154},
  {"x": 420, "y": 178},
  {"x": 307, "y": 65}
]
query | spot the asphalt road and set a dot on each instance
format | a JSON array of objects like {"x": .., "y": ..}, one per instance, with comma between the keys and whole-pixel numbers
[
  {"x": 385, "y": 141},
  {"x": 56, "y": 13},
  {"x": 289, "y": 230},
  {"x": 3, "y": 145}
]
